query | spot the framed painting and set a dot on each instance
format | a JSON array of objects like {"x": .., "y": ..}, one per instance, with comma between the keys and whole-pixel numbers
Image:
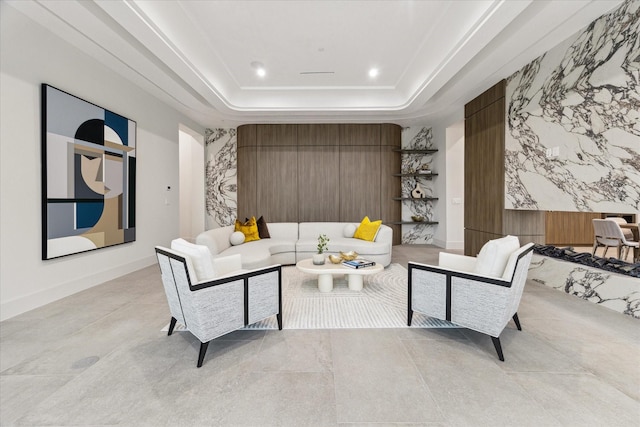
[{"x": 88, "y": 176}]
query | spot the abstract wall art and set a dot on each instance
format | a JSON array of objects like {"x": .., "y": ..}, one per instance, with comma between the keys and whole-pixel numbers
[{"x": 88, "y": 176}]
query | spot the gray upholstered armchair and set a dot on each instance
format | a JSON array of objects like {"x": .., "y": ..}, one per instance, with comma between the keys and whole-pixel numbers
[
  {"x": 480, "y": 293},
  {"x": 212, "y": 307}
]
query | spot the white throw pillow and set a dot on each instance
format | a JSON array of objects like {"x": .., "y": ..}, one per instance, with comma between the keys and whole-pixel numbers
[
  {"x": 494, "y": 255},
  {"x": 236, "y": 238},
  {"x": 200, "y": 258},
  {"x": 349, "y": 230}
]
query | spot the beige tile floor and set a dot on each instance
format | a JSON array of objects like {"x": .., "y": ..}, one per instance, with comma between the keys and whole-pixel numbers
[{"x": 99, "y": 358}]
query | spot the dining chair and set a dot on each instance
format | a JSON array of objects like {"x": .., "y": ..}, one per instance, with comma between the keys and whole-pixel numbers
[
  {"x": 628, "y": 234},
  {"x": 607, "y": 233}
]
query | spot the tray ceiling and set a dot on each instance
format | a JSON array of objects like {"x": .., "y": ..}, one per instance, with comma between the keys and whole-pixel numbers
[{"x": 200, "y": 56}]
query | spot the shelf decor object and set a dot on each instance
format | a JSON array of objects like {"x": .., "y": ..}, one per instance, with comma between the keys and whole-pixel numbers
[
  {"x": 418, "y": 192},
  {"x": 88, "y": 176},
  {"x": 415, "y": 171}
]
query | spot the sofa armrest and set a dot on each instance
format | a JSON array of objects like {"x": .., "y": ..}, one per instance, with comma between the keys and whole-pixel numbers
[
  {"x": 216, "y": 239},
  {"x": 226, "y": 265},
  {"x": 385, "y": 235},
  {"x": 456, "y": 262},
  {"x": 455, "y": 273}
]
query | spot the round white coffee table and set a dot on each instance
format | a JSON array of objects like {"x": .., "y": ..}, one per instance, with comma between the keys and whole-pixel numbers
[{"x": 326, "y": 271}]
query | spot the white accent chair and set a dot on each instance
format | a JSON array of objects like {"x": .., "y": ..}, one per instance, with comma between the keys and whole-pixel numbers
[
  {"x": 607, "y": 233},
  {"x": 211, "y": 307},
  {"x": 479, "y": 293}
]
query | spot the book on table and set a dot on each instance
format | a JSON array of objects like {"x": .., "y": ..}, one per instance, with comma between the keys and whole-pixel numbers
[{"x": 358, "y": 263}]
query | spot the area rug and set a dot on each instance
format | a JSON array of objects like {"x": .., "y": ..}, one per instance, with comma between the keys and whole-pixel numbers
[{"x": 382, "y": 303}]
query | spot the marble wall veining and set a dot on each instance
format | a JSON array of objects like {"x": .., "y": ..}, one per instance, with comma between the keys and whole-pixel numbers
[
  {"x": 614, "y": 291},
  {"x": 582, "y": 98},
  {"x": 221, "y": 177},
  {"x": 416, "y": 138}
]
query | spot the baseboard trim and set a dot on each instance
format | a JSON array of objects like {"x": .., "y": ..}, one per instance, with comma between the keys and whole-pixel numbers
[
  {"x": 16, "y": 306},
  {"x": 449, "y": 244},
  {"x": 459, "y": 245}
]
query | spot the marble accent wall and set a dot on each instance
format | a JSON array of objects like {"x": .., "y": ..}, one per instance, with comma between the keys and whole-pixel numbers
[
  {"x": 220, "y": 174},
  {"x": 581, "y": 99},
  {"x": 615, "y": 291},
  {"x": 416, "y": 138}
]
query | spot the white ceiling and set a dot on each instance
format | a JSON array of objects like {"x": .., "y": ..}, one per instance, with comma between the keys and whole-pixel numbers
[{"x": 432, "y": 56}]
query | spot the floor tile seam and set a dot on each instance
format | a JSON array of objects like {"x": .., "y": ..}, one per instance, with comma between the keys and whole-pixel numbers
[
  {"x": 104, "y": 316},
  {"x": 549, "y": 372},
  {"x": 591, "y": 373},
  {"x": 27, "y": 376},
  {"x": 540, "y": 333},
  {"x": 553, "y": 343},
  {"x": 532, "y": 398},
  {"x": 559, "y": 373},
  {"x": 585, "y": 370},
  {"x": 290, "y": 372},
  {"x": 255, "y": 358},
  {"x": 444, "y": 339},
  {"x": 332, "y": 371},
  {"x": 425, "y": 386}
]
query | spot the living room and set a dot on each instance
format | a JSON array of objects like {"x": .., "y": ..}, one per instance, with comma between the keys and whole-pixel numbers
[{"x": 34, "y": 52}]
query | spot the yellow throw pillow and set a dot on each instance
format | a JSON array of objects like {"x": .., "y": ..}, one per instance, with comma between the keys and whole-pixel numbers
[
  {"x": 249, "y": 229},
  {"x": 367, "y": 230}
]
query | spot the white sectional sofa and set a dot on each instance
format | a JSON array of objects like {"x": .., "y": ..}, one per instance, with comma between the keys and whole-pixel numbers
[{"x": 291, "y": 242}]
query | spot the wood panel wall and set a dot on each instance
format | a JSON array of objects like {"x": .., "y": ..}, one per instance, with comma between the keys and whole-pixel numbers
[
  {"x": 319, "y": 172},
  {"x": 484, "y": 215},
  {"x": 569, "y": 228}
]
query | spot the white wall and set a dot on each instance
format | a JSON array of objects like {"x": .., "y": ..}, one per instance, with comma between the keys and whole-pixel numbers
[
  {"x": 31, "y": 55},
  {"x": 448, "y": 137},
  {"x": 454, "y": 182},
  {"x": 191, "y": 171}
]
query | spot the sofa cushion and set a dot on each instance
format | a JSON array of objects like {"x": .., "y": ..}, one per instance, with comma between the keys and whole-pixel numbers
[
  {"x": 249, "y": 229},
  {"x": 254, "y": 254},
  {"x": 349, "y": 230},
  {"x": 281, "y": 246},
  {"x": 511, "y": 263},
  {"x": 367, "y": 230},
  {"x": 311, "y": 230},
  {"x": 201, "y": 259},
  {"x": 284, "y": 230},
  {"x": 344, "y": 244},
  {"x": 236, "y": 238},
  {"x": 493, "y": 257},
  {"x": 263, "y": 230}
]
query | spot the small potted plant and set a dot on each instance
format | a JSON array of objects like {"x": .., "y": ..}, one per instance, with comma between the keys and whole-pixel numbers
[{"x": 318, "y": 259}]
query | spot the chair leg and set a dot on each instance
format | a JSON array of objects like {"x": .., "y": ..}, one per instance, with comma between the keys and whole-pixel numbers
[
  {"x": 496, "y": 344},
  {"x": 279, "y": 317},
  {"x": 604, "y": 254},
  {"x": 517, "y": 321},
  {"x": 172, "y": 325},
  {"x": 203, "y": 351},
  {"x": 409, "y": 317},
  {"x": 595, "y": 247}
]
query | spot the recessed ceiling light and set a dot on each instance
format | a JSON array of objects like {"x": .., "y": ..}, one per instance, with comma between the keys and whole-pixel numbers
[
  {"x": 259, "y": 67},
  {"x": 373, "y": 72}
]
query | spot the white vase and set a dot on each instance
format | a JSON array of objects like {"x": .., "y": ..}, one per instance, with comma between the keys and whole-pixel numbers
[
  {"x": 318, "y": 259},
  {"x": 418, "y": 192}
]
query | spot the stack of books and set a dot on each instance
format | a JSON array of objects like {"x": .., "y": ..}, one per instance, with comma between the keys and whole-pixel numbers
[{"x": 358, "y": 263}]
